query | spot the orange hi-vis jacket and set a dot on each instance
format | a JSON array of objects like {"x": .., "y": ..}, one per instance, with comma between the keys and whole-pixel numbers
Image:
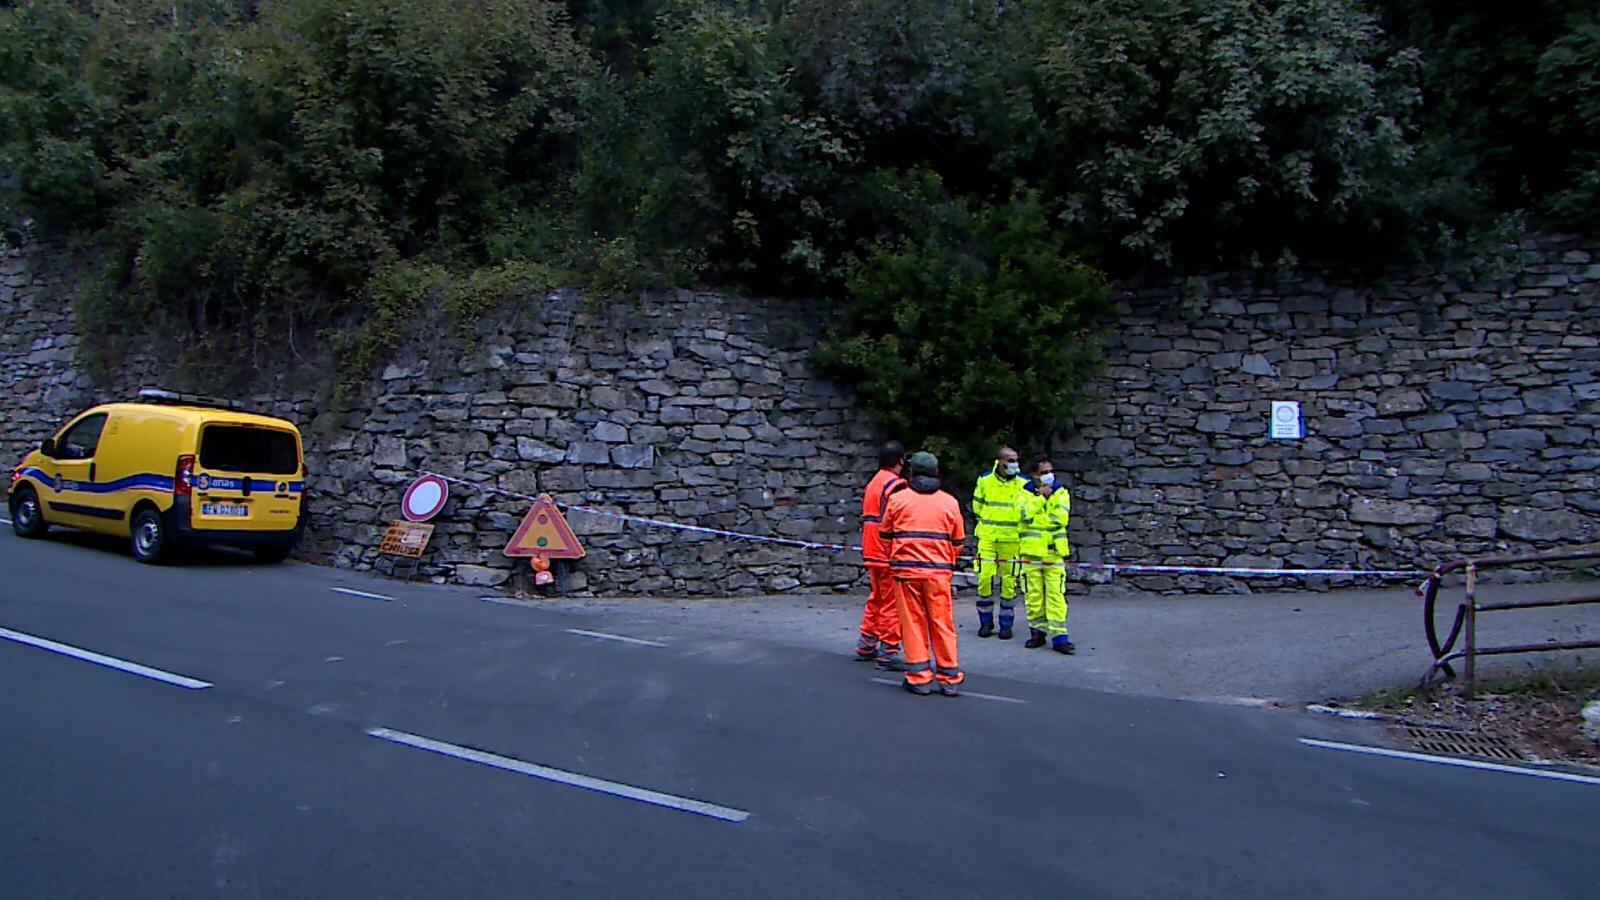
[
  {"x": 873, "y": 501},
  {"x": 924, "y": 531}
]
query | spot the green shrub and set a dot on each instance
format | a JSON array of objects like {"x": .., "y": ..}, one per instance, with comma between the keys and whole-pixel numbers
[{"x": 976, "y": 327}]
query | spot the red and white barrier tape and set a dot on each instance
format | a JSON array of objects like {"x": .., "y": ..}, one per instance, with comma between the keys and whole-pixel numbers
[{"x": 1132, "y": 568}]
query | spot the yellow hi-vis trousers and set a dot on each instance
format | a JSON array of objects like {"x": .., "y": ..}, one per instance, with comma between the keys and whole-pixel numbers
[
  {"x": 1044, "y": 589},
  {"x": 997, "y": 558}
]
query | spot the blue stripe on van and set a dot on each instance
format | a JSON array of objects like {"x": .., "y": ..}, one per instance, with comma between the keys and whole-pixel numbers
[
  {"x": 144, "y": 481},
  {"x": 205, "y": 482},
  {"x": 149, "y": 481}
]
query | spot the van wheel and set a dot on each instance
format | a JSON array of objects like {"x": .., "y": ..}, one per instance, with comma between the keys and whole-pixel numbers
[
  {"x": 27, "y": 515},
  {"x": 149, "y": 537},
  {"x": 272, "y": 554}
]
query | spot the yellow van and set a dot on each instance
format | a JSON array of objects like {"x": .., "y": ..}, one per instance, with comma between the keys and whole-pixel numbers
[{"x": 170, "y": 470}]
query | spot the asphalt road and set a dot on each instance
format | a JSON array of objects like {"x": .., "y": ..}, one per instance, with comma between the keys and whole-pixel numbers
[
  {"x": 776, "y": 771},
  {"x": 1279, "y": 648}
]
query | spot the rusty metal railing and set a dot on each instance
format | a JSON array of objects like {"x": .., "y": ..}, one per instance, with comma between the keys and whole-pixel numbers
[{"x": 1466, "y": 621}]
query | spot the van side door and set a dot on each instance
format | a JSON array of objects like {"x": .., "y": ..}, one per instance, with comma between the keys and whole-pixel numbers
[{"x": 74, "y": 496}]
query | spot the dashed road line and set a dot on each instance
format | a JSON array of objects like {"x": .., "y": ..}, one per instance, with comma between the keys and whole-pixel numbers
[
  {"x": 614, "y": 637},
  {"x": 559, "y": 776},
  {"x": 964, "y": 692},
  {"x": 355, "y": 593},
  {"x": 1452, "y": 761},
  {"x": 110, "y": 662}
]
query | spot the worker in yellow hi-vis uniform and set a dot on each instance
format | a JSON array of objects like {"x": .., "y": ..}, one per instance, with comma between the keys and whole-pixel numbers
[
  {"x": 1043, "y": 545},
  {"x": 997, "y": 508}
]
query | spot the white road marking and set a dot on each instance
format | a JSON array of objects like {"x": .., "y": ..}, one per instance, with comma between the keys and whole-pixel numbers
[
  {"x": 1344, "y": 713},
  {"x": 572, "y": 779},
  {"x": 506, "y": 602},
  {"x": 110, "y": 662},
  {"x": 613, "y": 637},
  {"x": 1451, "y": 761},
  {"x": 5, "y": 521},
  {"x": 964, "y": 692},
  {"x": 355, "y": 593}
]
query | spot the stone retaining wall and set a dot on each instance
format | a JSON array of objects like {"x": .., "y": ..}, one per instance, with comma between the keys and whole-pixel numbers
[{"x": 1440, "y": 419}]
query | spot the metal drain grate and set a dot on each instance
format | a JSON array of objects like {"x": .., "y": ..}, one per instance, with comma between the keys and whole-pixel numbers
[{"x": 1461, "y": 743}]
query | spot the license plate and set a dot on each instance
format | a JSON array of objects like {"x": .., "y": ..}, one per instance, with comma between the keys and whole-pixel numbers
[{"x": 223, "y": 509}]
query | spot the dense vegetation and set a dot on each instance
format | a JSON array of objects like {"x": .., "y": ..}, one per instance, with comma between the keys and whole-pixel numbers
[{"x": 958, "y": 174}]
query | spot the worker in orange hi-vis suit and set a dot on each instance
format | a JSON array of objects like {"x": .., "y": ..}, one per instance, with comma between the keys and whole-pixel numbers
[
  {"x": 879, "y": 640},
  {"x": 923, "y": 530}
]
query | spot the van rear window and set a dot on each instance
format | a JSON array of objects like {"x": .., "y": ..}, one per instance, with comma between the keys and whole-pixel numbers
[{"x": 239, "y": 448}]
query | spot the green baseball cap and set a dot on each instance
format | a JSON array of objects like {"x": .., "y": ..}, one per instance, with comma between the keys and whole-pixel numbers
[{"x": 924, "y": 463}]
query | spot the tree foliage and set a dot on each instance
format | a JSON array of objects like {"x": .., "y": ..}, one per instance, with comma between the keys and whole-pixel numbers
[
  {"x": 1512, "y": 105},
  {"x": 975, "y": 326},
  {"x": 1199, "y": 130},
  {"x": 250, "y": 169},
  {"x": 245, "y": 171}
]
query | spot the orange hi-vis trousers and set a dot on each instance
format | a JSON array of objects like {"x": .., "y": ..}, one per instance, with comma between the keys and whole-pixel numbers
[
  {"x": 925, "y": 618},
  {"x": 880, "y": 618}
]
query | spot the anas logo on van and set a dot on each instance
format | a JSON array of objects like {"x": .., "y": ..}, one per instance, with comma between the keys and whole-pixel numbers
[{"x": 203, "y": 482}]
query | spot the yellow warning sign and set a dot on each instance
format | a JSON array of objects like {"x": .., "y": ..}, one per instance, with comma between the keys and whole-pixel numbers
[
  {"x": 407, "y": 539},
  {"x": 544, "y": 532}
]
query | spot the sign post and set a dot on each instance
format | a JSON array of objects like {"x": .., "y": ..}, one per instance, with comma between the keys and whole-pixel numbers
[{"x": 408, "y": 538}]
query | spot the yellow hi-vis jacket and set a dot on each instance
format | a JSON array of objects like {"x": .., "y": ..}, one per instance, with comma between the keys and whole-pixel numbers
[
  {"x": 997, "y": 507},
  {"x": 1044, "y": 525}
]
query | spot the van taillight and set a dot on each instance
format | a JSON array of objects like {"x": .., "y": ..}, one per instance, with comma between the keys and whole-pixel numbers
[
  {"x": 183, "y": 478},
  {"x": 16, "y": 473}
]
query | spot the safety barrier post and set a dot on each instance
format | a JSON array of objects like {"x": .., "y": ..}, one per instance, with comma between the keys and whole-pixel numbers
[
  {"x": 1466, "y": 619},
  {"x": 1472, "y": 628}
]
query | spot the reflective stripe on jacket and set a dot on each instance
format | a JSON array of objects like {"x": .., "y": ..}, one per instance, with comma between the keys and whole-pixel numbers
[
  {"x": 873, "y": 501},
  {"x": 997, "y": 507},
  {"x": 923, "y": 530},
  {"x": 1044, "y": 525}
]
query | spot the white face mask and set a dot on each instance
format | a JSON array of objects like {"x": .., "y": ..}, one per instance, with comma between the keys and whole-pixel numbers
[
  {"x": 1048, "y": 479},
  {"x": 1010, "y": 468}
]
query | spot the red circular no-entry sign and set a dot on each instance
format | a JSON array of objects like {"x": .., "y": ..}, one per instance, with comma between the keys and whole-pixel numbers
[{"x": 425, "y": 498}]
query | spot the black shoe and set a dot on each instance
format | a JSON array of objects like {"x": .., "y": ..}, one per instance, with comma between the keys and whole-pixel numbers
[
  {"x": 950, "y": 690},
  {"x": 1005, "y": 632},
  {"x": 921, "y": 690},
  {"x": 1066, "y": 647},
  {"x": 889, "y": 664},
  {"x": 985, "y": 629},
  {"x": 1035, "y": 639}
]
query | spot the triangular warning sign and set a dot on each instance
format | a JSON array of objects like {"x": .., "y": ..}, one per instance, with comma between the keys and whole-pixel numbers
[{"x": 544, "y": 532}]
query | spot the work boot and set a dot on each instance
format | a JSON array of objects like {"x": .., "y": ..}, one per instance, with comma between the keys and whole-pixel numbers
[
  {"x": 921, "y": 690},
  {"x": 985, "y": 628},
  {"x": 1005, "y": 632},
  {"x": 950, "y": 690},
  {"x": 1064, "y": 646},
  {"x": 1035, "y": 639},
  {"x": 889, "y": 664}
]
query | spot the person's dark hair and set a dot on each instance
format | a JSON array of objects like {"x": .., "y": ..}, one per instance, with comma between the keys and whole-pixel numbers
[
  {"x": 891, "y": 454},
  {"x": 1003, "y": 448},
  {"x": 1041, "y": 458}
]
